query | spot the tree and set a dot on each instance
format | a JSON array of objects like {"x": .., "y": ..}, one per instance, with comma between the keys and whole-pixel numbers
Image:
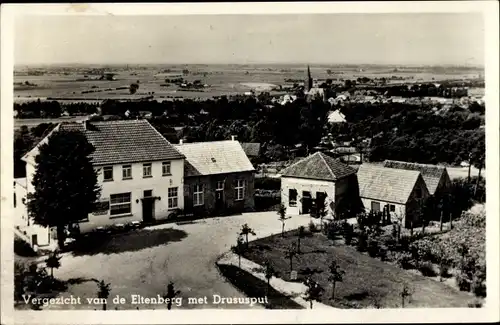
[
  {"x": 282, "y": 218},
  {"x": 269, "y": 272},
  {"x": 65, "y": 182},
  {"x": 291, "y": 253},
  {"x": 171, "y": 294},
  {"x": 53, "y": 262},
  {"x": 300, "y": 234},
  {"x": 238, "y": 249},
  {"x": 103, "y": 292},
  {"x": 245, "y": 231},
  {"x": 406, "y": 292},
  {"x": 314, "y": 291},
  {"x": 336, "y": 275}
]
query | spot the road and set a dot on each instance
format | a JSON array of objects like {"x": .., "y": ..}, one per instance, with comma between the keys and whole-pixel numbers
[{"x": 145, "y": 267}]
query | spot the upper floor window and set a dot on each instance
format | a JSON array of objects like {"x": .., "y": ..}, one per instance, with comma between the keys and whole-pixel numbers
[
  {"x": 127, "y": 171},
  {"x": 198, "y": 195},
  {"x": 240, "y": 189},
  {"x": 165, "y": 167},
  {"x": 392, "y": 208},
  {"x": 220, "y": 186},
  {"x": 146, "y": 170},
  {"x": 108, "y": 173}
]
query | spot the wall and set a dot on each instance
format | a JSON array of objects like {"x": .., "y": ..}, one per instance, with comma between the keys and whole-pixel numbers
[
  {"x": 414, "y": 204},
  {"x": 400, "y": 209},
  {"x": 158, "y": 183},
  {"x": 301, "y": 184},
  {"x": 231, "y": 205}
]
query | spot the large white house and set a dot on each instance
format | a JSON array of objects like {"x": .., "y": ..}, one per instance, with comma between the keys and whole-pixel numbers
[{"x": 140, "y": 174}]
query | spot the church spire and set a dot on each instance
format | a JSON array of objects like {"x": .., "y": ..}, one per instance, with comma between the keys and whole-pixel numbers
[{"x": 309, "y": 82}]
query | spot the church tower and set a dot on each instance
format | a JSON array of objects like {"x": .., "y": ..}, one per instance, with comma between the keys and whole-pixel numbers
[{"x": 309, "y": 81}]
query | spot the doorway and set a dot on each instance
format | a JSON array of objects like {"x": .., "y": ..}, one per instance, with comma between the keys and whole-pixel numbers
[
  {"x": 148, "y": 206},
  {"x": 306, "y": 202}
]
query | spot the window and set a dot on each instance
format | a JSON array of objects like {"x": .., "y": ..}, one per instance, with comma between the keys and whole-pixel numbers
[
  {"x": 127, "y": 171},
  {"x": 240, "y": 189},
  {"x": 108, "y": 173},
  {"x": 148, "y": 193},
  {"x": 120, "y": 204},
  {"x": 198, "y": 195},
  {"x": 418, "y": 193},
  {"x": 172, "y": 198},
  {"x": 165, "y": 167},
  {"x": 220, "y": 186},
  {"x": 292, "y": 197},
  {"x": 392, "y": 208},
  {"x": 146, "y": 170},
  {"x": 375, "y": 206}
]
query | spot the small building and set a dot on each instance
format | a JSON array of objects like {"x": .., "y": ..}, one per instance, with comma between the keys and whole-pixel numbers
[
  {"x": 436, "y": 177},
  {"x": 399, "y": 191},
  {"x": 336, "y": 117},
  {"x": 218, "y": 178},
  {"x": 314, "y": 180},
  {"x": 252, "y": 149}
]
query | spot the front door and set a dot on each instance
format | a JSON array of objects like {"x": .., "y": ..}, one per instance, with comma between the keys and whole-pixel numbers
[
  {"x": 219, "y": 197},
  {"x": 306, "y": 202},
  {"x": 147, "y": 206}
]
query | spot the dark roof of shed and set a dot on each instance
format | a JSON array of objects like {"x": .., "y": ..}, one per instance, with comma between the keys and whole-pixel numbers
[
  {"x": 431, "y": 173},
  {"x": 319, "y": 166}
]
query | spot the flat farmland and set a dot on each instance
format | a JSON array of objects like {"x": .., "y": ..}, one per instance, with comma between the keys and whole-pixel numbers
[{"x": 220, "y": 80}]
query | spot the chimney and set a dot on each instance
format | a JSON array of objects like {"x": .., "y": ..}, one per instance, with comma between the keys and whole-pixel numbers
[
  {"x": 180, "y": 141},
  {"x": 233, "y": 138}
]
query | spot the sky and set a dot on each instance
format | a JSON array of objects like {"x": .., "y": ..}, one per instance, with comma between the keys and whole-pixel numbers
[{"x": 421, "y": 39}]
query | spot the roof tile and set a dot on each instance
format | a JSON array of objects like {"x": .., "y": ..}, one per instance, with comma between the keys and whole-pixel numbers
[{"x": 320, "y": 167}]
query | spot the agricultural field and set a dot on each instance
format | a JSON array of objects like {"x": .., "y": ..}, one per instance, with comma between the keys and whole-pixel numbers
[{"x": 75, "y": 83}]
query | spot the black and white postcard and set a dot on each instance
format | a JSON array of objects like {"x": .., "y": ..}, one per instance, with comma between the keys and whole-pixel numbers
[{"x": 212, "y": 162}]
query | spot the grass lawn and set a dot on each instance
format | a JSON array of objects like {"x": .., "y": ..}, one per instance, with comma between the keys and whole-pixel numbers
[
  {"x": 367, "y": 282},
  {"x": 253, "y": 287}
]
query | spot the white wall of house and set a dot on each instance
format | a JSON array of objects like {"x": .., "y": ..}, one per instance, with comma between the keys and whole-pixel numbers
[
  {"x": 32, "y": 233},
  {"x": 158, "y": 183},
  {"x": 301, "y": 184}
]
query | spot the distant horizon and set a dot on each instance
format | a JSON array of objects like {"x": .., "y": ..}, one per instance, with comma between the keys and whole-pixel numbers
[{"x": 400, "y": 39}]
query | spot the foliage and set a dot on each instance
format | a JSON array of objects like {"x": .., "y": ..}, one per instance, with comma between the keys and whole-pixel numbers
[
  {"x": 245, "y": 231},
  {"x": 336, "y": 275},
  {"x": 333, "y": 229},
  {"x": 68, "y": 195},
  {"x": 348, "y": 233},
  {"x": 405, "y": 261},
  {"x": 171, "y": 293},
  {"x": 301, "y": 233},
  {"x": 282, "y": 218},
  {"x": 314, "y": 291},
  {"x": 312, "y": 227},
  {"x": 373, "y": 247},
  {"x": 53, "y": 262},
  {"x": 267, "y": 183},
  {"x": 426, "y": 268},
  {"x": 362, "y": 244},
  {"x": 406, "y": 292}
]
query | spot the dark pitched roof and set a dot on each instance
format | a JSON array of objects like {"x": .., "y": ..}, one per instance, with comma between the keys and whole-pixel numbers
[
  {"x": 319, "y": 166},
  {"x": 431, "y": 173},
  {"x": 125, "y": 141},
  {"x": 386, "y": 184},
  {"x": 215, "y": 157},
  {"x": 252, "y": 149}
]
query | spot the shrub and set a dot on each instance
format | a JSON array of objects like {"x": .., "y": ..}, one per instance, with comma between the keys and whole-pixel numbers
[
  {"x": 427, "y": 269},
  {"x": 362, "y": 244},
  {"x": 382, "y": 253},
  {"x": 444, "y": 269},
  {"x": 463, "y": 282},
  {"x": 348, "y": 233},
  {"x": 479, "y": 288},
  {"x": 313, "y": 227},
  {"x": 404, "y": 244},
  {"x": 373, "y": 247},
  {"x": 405, "y": 261},
  {"x": 332, "y": 229}
]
